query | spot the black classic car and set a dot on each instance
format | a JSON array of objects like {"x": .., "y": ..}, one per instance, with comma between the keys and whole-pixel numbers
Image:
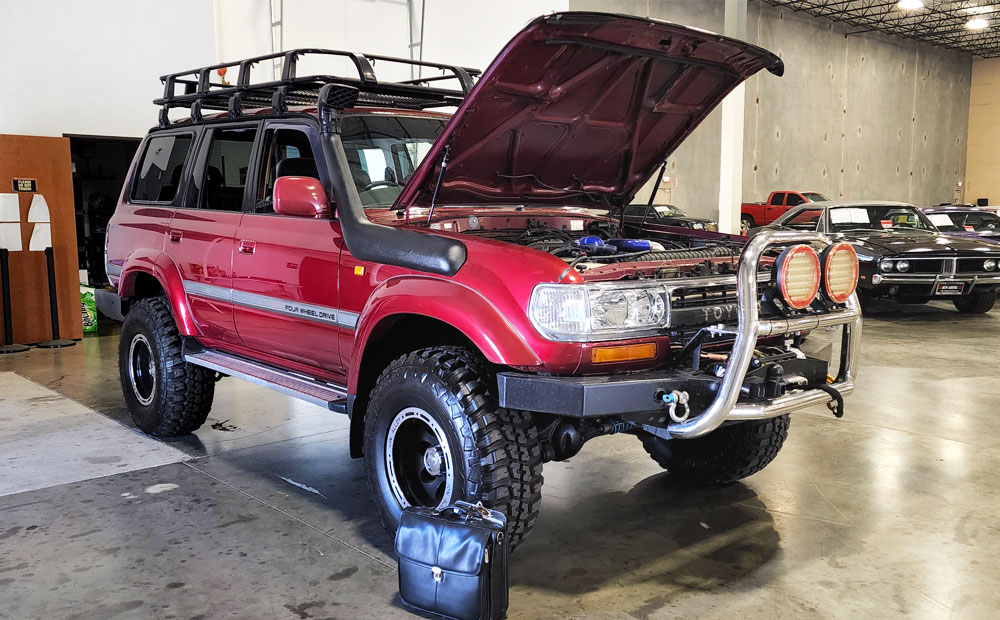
[
  {"x": 901, "y": 254},
  {"x": 637, "y": 216}
]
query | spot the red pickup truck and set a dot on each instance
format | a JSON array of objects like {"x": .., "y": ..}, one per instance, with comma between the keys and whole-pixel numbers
[
  {"x": 753, "y": 214},
  {"x": 460, "y": 285}
]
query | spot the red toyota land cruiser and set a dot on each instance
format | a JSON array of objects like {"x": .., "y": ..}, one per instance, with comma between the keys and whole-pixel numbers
[{"x": 460, "y": 285}]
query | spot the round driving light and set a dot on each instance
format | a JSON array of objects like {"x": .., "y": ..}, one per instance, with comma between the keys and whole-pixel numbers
[
  {"x": 840, "y": 272},
  {"x": 989, "y": 264},
  {"x": 902, "y": 265},
  {"x": 798, "y": 276},
  {"x": 886, "y": 266}
]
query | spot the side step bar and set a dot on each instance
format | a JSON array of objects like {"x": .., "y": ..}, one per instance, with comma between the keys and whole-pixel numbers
[{"x": 333, "y": 397}]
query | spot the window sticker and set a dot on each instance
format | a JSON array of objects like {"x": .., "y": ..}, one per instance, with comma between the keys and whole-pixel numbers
[
  {"x": 661, "y": 209},
  {"x": 576, "y": 224},
  {"x": 970, "y": 228},
  {"x": 940, "y": 219},
  {"x": 849, "y": 215},
  {"x": 886, "y": 223}
]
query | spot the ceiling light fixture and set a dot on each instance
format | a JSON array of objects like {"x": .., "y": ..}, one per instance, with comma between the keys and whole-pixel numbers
[
  {"x": 910, "y": 5},
  {"x": 977, "y": 23}
]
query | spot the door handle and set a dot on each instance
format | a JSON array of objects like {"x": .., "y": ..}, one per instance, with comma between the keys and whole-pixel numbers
[
  {"x": 246, "y": 247},
  {"x": 175, "y": 236}
]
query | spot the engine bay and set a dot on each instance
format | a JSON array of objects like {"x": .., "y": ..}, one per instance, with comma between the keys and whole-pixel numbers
[{"x": 602, "y": 248}]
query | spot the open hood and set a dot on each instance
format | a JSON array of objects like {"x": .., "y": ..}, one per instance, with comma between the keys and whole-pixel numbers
[{"x": 581, "y": 108}]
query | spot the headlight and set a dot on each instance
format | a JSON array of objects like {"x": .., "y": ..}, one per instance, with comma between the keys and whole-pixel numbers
[
  {"x": 886, "y": 266},
  {"x": 798, "y": 275},
  {"x": 840, "y": 271},
  {"x": 989, "y": 264},
  {"x": 902, "y": 265},
  {"x": 586, "y": 312}
]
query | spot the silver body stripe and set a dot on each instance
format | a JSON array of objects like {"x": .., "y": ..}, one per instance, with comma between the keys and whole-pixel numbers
[
  {"x": 112, "y": 270},
  {"x": 309, "y": 312}
]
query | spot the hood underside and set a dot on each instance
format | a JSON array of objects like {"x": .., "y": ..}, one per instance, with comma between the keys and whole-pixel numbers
[{"x": 581, "y": 107}]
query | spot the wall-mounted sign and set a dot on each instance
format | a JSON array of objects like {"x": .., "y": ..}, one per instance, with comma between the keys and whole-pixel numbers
[{"x": 25, "y": 185}]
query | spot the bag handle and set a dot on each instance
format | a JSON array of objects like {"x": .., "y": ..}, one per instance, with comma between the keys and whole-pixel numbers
[{"x": 467, "y": 510}]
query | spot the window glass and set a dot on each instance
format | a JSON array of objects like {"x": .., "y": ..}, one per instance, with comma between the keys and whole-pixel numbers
[
  {"x": 806, "y": 219},
  {"x": 385, "y": 150},
  {"x": 890, "y": 218},
  {"x": 815, "y": 197},
  {"x": 159, "y": 172},
  {"x": 288, "y": 154},
  {"x": 946, "y": 222},
  {"x": 778, "y": 199},
  {"x": 226, "y": 169},
  {"x": 794, "y": 200}
]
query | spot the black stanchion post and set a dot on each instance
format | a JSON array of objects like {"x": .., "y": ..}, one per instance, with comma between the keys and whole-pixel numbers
[
  {"x": 56, "y": 342},
  {"x": 8, "y": 325}
]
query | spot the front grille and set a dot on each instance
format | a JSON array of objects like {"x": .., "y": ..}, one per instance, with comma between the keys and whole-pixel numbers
[
  {"x": 701, "y": 304},
  {"x": 926, "y": 266},
  {"x": 974, "y": 265}
]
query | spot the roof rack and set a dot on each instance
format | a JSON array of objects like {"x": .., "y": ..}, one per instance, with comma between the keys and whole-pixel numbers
[{"x": 198, "y": 92}]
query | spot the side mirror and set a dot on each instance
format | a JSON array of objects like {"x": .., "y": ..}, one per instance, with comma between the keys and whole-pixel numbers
[{"x": 301, "y": 197}]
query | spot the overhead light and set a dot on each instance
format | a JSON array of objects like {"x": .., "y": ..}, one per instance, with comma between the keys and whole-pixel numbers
[
  {"x": 977, "y": 23},
  {"x": 910, "y": 5}
]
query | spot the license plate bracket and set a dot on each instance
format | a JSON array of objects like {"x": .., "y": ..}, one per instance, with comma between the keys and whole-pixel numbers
[{"x": 949, "y": 288}]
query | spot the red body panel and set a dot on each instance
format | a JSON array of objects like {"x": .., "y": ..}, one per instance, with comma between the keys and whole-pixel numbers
[
  {"x": 766, "y": 212},
  {"x": 295, "y": 259},
  {"x": 201, "y": 242}
]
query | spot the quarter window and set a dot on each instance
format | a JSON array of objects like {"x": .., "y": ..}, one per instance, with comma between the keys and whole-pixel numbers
[{"x": 159, "y": 172}]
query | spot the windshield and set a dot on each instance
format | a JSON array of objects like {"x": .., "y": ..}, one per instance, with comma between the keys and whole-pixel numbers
[
  {"x": 878, "y": 218},
  {"x": 814, "y": 197},
  {"x": 961, "y": 221},
  {"x": 383, "y": 152}
]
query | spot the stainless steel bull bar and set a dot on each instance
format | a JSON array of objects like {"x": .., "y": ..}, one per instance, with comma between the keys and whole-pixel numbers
[{"x": 726, "y": 406}]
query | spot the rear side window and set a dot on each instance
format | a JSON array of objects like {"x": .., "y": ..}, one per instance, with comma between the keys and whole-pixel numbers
[
  {"x": 159, "y": 172},
  {"x": 227, "y": 168},
  {"x": 778, "y": 199}
]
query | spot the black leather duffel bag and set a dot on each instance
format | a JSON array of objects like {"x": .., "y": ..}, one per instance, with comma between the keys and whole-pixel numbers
[{"x": 453, "y": 562}]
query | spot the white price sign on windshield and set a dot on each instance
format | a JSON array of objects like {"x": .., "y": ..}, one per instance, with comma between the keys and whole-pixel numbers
[{"x": 849, "y": 215}]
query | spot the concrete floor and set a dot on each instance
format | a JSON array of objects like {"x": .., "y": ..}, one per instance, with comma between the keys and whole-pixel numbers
[{"x": 890, "y": 512}]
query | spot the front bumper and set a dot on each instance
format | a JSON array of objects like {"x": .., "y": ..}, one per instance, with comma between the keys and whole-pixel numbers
[
  {"x": 638, "y": 393},
  {"x": 927, "y": 283}
]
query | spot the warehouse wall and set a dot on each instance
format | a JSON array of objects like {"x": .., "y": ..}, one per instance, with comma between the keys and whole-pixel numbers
[
  {"x": 856, "y": 117},
  {"x": 864, "y": 116},
  {"x": 983, "y": 176},
  {"x": 92, "y": 67}
]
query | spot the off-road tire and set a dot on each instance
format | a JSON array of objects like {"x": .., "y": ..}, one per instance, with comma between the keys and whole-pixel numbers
[
  {"x": 976, "y": 303},
  {"x": 746, "y": 223},
  {"x": 725, "y": 455},
  {"x": 496, "y": 452},
  {"x": 182, "y": 393}
]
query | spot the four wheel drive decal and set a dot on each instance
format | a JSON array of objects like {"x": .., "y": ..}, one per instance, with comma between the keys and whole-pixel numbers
[{"x": 311, "y": 312}]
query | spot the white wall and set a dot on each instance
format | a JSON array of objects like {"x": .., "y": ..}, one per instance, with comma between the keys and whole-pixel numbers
[
  {"x": 470, "y": 33},
  {"x": 93, "y": 67}
]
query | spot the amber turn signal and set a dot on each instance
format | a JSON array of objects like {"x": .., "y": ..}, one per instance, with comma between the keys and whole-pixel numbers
[{"x": 624, "y": 353}]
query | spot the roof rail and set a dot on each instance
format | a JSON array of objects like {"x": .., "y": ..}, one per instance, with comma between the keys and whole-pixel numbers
[{"x": 199, "y": 92}]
